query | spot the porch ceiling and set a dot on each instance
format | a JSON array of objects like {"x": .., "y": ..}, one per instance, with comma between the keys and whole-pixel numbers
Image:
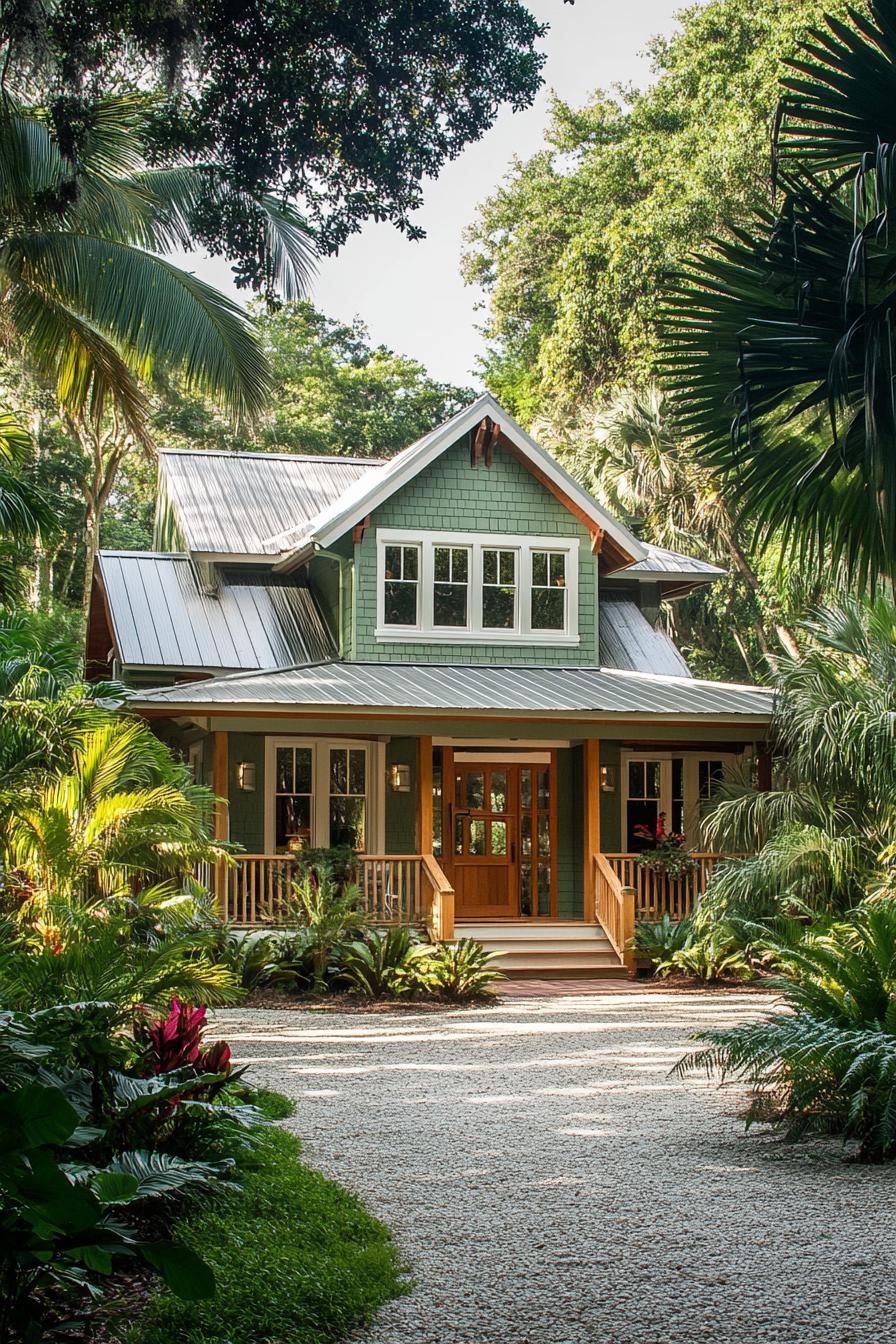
[{"x": 402, "y": 688}]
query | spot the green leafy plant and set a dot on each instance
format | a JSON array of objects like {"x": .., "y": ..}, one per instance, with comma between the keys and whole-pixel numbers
[
  {"x": 661, "y": 938},
  {"x": 463, "y": 970},
  {"x": 707, "y": 955},
  {"x": 56, "y": 1232},
  {"x": 829, "y": 1065},
  {"x": 327, "y": 916},
  {"x": 392, "y": 961}
]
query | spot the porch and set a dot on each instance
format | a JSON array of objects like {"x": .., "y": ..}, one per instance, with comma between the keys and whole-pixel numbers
[{"x": 499, "y": 839}]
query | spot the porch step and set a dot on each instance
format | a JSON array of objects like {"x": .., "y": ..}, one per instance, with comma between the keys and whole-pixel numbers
[{"x": 555, "y": 948}]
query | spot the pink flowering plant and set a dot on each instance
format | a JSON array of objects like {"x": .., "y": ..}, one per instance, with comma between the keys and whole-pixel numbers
[{"x": 665, "y": 852}]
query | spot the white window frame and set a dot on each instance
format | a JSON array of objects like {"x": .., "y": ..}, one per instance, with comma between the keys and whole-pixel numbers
[
  {"x": 474, "y": 632},
  {"x": 320, "y": 788},
  {"x": 690, "y": 783}
]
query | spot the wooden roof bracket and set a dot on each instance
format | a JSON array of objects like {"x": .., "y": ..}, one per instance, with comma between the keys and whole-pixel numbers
[
  {"x": 597, "y": 540},
  {"x": 482, "y": 445},
  {"x": 359, "y": 530}
]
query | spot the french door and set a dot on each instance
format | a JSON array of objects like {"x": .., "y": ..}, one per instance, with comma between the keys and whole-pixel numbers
[
  {"x": 654, "y": 787},
  {"x": 500, "y": 830},
  {"x": 675, "y": 785}
]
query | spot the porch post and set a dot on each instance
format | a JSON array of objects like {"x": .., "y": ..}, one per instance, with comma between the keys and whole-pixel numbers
[
  {"x": 220, "y": 788},
  {"x": 764, "y": 771},
  {"x": 424, "y": 795},
  {"x": 591, "y": 828}
]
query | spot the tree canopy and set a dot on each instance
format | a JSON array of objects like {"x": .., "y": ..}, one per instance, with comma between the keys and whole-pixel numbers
[
  {"x": 344, "y": 108},
  {"x": 573, "y": 247}
]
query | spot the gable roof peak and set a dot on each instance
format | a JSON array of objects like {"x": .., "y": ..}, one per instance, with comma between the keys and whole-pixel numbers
[{"x": 370, "y": 491}]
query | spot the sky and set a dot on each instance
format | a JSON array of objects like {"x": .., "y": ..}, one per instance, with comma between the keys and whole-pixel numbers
[{"x": 410, "y": 294}]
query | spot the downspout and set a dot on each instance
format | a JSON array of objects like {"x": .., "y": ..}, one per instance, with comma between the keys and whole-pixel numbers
[{"x": 343, "y": 563}]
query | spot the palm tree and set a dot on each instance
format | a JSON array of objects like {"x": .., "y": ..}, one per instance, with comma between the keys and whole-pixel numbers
[
  {"x": 24, "y": 512},
  {"x": 121, "y": 813},
  {"x": 93, "y": 306},
  {"x": 827, "y": 831},
  {"x": 631, "y": 456},
  {"x": 779, "y": 346}
]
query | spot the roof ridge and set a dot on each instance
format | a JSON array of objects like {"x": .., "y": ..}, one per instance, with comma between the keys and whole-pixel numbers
[{"x": 280, "y": 457}]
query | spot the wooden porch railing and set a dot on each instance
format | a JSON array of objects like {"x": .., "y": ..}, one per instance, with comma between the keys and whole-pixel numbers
[
  {"x": 614, "y": 906},
  {"x": 395, "y": 889},
  {"x": 655, "y": 893}
]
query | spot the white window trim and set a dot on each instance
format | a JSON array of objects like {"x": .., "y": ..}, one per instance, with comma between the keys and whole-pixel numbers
[
  {"x": 473, "y": 632},
  {"x": 690, "y": 782},
  {"x": 320, "y": 786}
]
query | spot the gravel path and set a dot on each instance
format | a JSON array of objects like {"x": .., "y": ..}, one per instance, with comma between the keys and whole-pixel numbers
[{"x": 549, "y": 1183}]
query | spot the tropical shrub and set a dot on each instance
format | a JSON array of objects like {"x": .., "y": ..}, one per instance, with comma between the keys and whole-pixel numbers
[
  {"x": 392, "y": 961},
  {"x": 463, "y": 970},
  {"x": 827, "y": 828},
  {"x": 67, "y": 1176},
  {"x": 72, "y": 955},
  {"x": 657, "y": 940},
  {"x": 326, "y": 916},
  {"x": 708, "y": 955},
  {"x": 829, "y": 1065}
]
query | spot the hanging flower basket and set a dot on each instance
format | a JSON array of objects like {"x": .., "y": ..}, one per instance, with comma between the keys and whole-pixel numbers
[{"x": 666, "y": 853}]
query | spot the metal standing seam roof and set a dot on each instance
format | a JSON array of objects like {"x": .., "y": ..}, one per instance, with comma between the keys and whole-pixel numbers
[
  {"x": 628, "y": 642},
  {"x": 162, "y": 618},
  {"x": 661, "y": 561},
  {"x": 237, "y": 503},
  {"x": 467, "y": 688}
]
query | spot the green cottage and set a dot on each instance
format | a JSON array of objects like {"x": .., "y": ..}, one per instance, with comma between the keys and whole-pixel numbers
[{"x": 451, "y": 661}]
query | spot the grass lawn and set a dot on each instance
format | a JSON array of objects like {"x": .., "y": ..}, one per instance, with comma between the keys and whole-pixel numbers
[{"x": 297, "y": 1259}]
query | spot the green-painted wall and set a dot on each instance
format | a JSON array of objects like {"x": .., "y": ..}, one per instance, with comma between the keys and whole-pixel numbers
[
  {"x": 247, "y": 809},
  {"x": 570, "y": 859},
  {"x": 610, "y": 806},
  {"x": 450, "y": 495},
  {"x": 401, "y": 808}
]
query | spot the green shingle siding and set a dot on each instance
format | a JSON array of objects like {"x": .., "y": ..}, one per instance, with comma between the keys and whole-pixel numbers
[
  {"x": 401, "y": 808},
  {"x": 450, "y": 495},
  {"x": 570, "y": 859},
  {"x": 247, "y": 809}
]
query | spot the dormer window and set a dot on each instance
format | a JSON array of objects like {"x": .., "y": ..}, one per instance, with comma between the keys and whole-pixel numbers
[
  {"x": 498, "y": 589},
  {"x": 451, "y": 587},
  {"x": 548, "y": 594},
  {"x": 401, "y": 605},
  {"x": 472, "y": 587}
]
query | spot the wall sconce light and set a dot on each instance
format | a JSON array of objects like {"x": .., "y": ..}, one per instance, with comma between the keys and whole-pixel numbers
[
  {"x": 400, "y": 778},
  {"x": 245, "y": 776},
  {"x": 608, "y": 779}
]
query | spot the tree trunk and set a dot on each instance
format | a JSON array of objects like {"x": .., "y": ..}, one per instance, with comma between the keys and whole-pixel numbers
[{"x": 748, "y": 574}]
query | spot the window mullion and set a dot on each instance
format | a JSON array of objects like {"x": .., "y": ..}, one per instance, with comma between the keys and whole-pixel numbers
[
  {"x": 475, "y": 599},
  {"x": 526, "y": 590}
]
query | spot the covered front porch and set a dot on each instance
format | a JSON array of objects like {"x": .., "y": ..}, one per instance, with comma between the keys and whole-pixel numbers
[{"x": 518, "y": 840}]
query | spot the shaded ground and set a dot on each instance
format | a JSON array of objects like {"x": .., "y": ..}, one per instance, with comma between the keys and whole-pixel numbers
[{"x": 551, "y": 1184}]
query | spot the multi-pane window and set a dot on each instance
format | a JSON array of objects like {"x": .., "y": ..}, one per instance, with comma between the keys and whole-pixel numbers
[
  {"x": 467, "y": 587},
  {"x": 451, "y": 586},
  {"x": 293, "y": 792},
  {"x": 710, "y": 776},
  {"x": 401, "y": 585},
  {"x": 548, "y": 597},
  {"x": 348, "y": 796},
  {"x": 498, "y": 589}
]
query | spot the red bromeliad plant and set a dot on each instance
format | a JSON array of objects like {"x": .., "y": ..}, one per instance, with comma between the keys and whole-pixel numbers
[{"x": 665, "y": 852}]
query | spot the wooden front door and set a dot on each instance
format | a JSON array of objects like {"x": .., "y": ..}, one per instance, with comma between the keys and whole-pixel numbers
[{"x": 501, "y": 820}]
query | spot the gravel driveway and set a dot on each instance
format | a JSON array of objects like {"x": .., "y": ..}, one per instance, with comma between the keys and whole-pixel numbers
[{"x": 549, "y": 1183}]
